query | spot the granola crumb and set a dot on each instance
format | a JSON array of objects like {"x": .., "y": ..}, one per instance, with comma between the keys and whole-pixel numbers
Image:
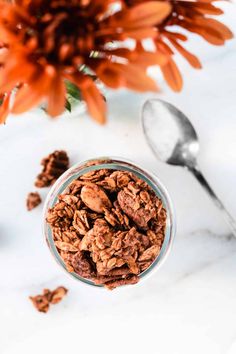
[
  {"x": 54, "y": 165},
  {"x": 42, "y": 302},
  {"x": 33, "y": 200}
]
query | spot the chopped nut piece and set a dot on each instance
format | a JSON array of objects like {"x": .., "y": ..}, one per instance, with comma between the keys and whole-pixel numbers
[
  {"x": 65, "y": 246},
  {"x": 108, "y": 183},
  {"x": 42, "y": 302},
  {"x": 111, "y": 263},
  {"x": 95, "y": 198},
  {"x": 108, "y": 226},
  {"x": 58, "y": 294},
  {"x": 53, "y": 166},
  {"x": 119, "y": 282},
  {"x": 82, "y": 265},
  {"x": 131, "y": 207},
  {"x": 144, "y": 265},
  {"x": 119, "y": 271},
  {"x": 133, "y": 266},
  {"x": 103, "y": 279},
  {"x": 150, "y": 253},
  {"x": 122, "y": 178},
  {"x": 33, "y": 200},
  {"x": 69, "y": 199},
  {"x": 80, "y": 221},
  {"x": 67, "y": 258},
  {"x": 94, "y": 176},
  {"x": 110, "y": 217}
]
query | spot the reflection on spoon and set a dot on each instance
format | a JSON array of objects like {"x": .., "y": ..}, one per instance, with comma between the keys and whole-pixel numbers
[{"x": 174, "y": 140}]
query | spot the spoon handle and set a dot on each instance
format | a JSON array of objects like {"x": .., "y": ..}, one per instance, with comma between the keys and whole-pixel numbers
[{"x": 201, "y": 179}]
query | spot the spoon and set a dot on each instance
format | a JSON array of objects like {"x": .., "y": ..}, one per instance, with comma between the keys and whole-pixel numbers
[{"x": 173, "y": 140}]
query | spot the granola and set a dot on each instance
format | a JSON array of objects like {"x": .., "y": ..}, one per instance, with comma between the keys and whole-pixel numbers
[
  {"x": 53, "y": 166},
  {"x": 108, "y": 226},
  {"x": 33, "y": 200},
  {"x": 42, "y": 302}
]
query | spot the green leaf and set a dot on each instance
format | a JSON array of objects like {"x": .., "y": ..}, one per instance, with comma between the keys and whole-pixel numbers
[
  {"x": 68, "y": 105},
  {"x": 73, "y": 91}
]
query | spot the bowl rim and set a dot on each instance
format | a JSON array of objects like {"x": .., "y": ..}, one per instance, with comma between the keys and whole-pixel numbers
[{"x": 111, "y": 162}]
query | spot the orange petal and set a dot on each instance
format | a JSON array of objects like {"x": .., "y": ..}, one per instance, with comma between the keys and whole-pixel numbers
[
  {"x": 139, "y": 33},
  {"x": 172, "y": 75},
  {"x": 208, "y": 34},
  {"x": 213, "y": 25},
  {"x": 3, "y": 54},
  {"x": 146, "y": 14},
  {"x": 98, "y": 6},
  {"x": 12, "y": 73},
  {"x": 207, "y": 1},
  {"x": 130, "y": 76},
  {"x": 4, "y": 108},
  {"x": 138, "y": 56},
  {"x": 205, "y": 8},
  {"x": 147, "y": 59},
  {"x": 9, "y": 78},
  {"x": 176, "y": 35},
  {"x": 95, "y": 103},
  {"x": 56, "y": 97},
  {"x": 191, "y": 58},
  {"x": 163, "y": 47},
  {"x": 135, "y": 33},
  {"x": 119, "y": 52},
  {"x": 31, "y": 94},
  {"x": 110, "y": 77}
]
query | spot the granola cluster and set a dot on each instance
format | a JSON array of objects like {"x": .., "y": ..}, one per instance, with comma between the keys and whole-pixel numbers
[
  {"x": 42, "y": 302},
  {"x": 108, "y": 226},
  {"x": 33, "y": 200},
  {"x": 53, "y": 166}
]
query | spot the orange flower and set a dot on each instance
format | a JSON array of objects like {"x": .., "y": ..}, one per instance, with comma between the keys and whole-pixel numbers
[
  {"x": 48, "y": 42},
  {"x": 193, "y": 16}
]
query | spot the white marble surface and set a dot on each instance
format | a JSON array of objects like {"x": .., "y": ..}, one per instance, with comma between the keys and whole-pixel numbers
[{"x": 189, "y": 306}]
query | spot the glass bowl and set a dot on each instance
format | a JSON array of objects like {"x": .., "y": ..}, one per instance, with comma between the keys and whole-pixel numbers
[{"x": 115, "y": 164}]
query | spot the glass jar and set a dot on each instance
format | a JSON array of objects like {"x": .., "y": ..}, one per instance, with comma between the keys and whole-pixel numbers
[{"x": 114, "y": 164}]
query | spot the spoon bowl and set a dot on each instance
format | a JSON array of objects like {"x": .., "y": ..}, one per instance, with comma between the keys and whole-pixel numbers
[{"x": 169, "y": 133}]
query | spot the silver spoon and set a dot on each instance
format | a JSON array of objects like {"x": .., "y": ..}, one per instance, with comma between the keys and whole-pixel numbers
[{"x": 174, "y": 140}]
